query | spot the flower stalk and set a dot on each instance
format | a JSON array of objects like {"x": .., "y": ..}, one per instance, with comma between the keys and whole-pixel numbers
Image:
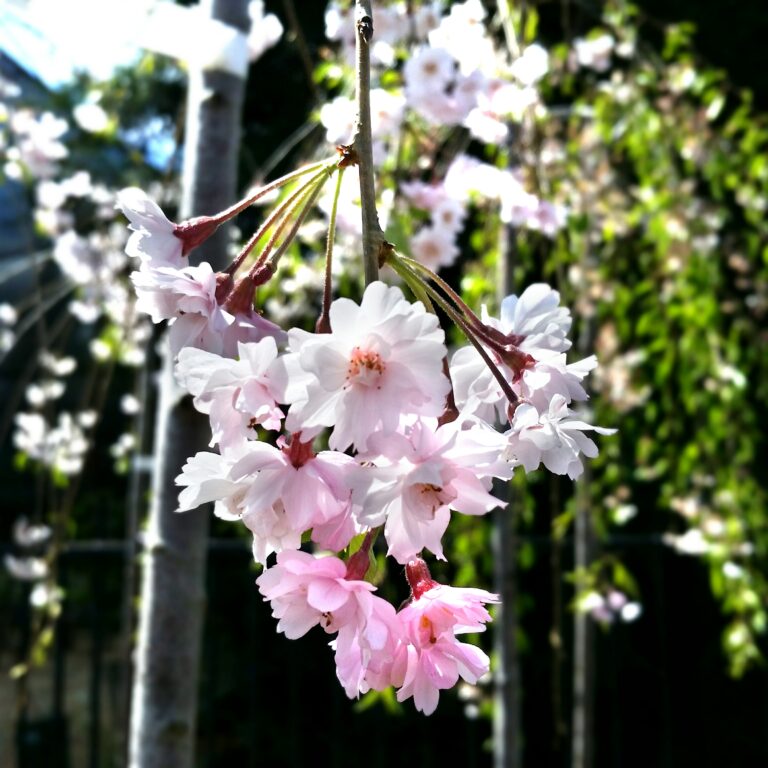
[{"x": 324, "y": 321}]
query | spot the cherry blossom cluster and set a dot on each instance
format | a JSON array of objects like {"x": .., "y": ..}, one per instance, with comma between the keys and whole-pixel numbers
[
  {"x": 609, "y": 606},
  {"x": 368, "y": 426},
  {"x": 415, "y": 649}
]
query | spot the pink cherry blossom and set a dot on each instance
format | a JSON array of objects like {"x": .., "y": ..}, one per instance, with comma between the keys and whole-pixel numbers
[
  {"x": 312, "y": 488},
  {"x": 277, "y": 494},
  {"x": 536, "y": 315},
  {"x": 435, "y": 658},
  {"x": 306, "y": 591},
  {"x": 205, "y": 477},
  {"x": 382, "y": 359},
  {"x": 427, "y": 71},
  {"x": 449, "y": 215},
  {"x": 272, "y": 530},
  {"x": 435, "y": 247},
  {"x": 427, "y": 196},
  {"x": 551, "y": 437},
  {"x": 367, "y": 650},
  {"x": 418, "y": 477},
  {"x": 187, "y": 296},
  {"x": 535, "y": 325},
  {"x": 236, "y": 394},
  {"x": 553, "y": 376}
]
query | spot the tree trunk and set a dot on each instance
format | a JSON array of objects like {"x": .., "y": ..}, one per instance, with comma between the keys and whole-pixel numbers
[
  {"x": 506, "y": 711},
  {"x": 164, "y": 701}
]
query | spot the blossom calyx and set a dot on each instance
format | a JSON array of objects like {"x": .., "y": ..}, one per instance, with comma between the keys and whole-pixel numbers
[
  {"x": 239, "y": 300},
  {"x": 358, "y": 565},
  {"x": 419, "y": 578},
  {"x": 516, "y": 360},
  {"x": 195, "y": 231},
  {"x": 298, "y": 453},
  {"x": 347, "y": 155}
]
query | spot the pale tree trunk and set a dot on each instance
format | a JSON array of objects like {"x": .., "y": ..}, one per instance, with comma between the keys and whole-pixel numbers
[
  {"x": 506, "y": 711},
  {"x": 164, "y": 700}
]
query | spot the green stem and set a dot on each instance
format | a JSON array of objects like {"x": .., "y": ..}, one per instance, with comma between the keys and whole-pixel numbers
[
  {"x": 307, "y": 203},
  {"x": 413, "y": 281},
  {"x": 324, "y": 321},
  {"x": 461, "y": 322},
  {"x": 237, "y": 208},
  {"x": 283, "y": 212},
  {"x": 479, "y": 327}
]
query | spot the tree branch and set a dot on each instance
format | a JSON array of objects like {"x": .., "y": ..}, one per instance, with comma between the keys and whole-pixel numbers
[{"x": 373, "y": 237}]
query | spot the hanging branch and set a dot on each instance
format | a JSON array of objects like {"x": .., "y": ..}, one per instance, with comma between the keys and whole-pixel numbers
[{"x": 373, "y": 237}]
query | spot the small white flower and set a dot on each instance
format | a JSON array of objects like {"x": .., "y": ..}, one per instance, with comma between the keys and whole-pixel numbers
[
  {"x": 27, "y": 534},
  {"x": 26, "y": 568},
  {"x": 631, "y": 612},
  {"x": 532, "y": 65},
  {"x": 91, "y": 117},
  {"x": 594, "y": 52},
  {"x": 434, "y": 247},
  {"x": 8, "y": 314},
  {"x": 130, "y": 405},
  {"x": 553, "y": 438}
]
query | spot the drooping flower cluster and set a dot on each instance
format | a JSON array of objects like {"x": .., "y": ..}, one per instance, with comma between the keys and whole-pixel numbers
[
  {"x": 415, "y": 649},
  {"x": 411, "y": 439},
  {"x": 369, "y": 429}
]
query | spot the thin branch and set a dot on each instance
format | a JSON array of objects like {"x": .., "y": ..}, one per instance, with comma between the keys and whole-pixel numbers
[
  {"x": 507, "y": 24},
  {"x": 324, "y": 321},
  {"x": 285, "y": 147},
  {"x": 301, "y": 46},
  {"x": 373, "y": 237}
]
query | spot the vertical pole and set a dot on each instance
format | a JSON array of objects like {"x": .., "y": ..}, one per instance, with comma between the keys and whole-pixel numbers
[
  {"x": 582, "y": 724},
  {"x": 164, "y": 702},
  {"x": 506, "y": 711},
  {"x": 582, "y": 727}
]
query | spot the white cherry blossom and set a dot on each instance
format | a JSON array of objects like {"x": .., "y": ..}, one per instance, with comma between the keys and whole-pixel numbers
[{"x": 382, "y": 359}]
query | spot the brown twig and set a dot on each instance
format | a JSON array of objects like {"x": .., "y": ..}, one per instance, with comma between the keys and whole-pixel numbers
[{"x": 373, "y": 237}]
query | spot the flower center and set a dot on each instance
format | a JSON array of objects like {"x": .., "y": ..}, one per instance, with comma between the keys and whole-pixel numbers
[
  {"x": 433, "y": 497},
  {"x": 427, "y": 631},
  {"x": 365, "y": 367}
]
